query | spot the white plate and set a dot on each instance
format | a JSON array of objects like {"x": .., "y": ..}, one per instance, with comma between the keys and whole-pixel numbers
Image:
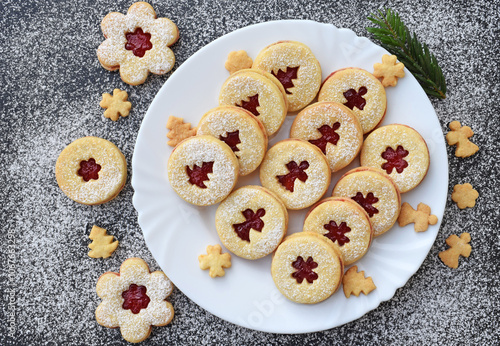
[{"x": 177, "y": 232}]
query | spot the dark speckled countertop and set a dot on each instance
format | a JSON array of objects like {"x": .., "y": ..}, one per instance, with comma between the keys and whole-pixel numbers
[{"x": 51, "y": 87}]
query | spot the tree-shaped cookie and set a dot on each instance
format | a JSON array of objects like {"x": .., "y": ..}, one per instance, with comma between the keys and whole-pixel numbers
[
  {"x": 459, "y": 136},
  {"x": 215, "y": 260},
  {"x": 421, "y": 217},
  {"x": 178, "y": 130},
  {"x": 102, "y": 245},
  {"x": 458, "y": 247},
  {"x": 354, "y": 282}
]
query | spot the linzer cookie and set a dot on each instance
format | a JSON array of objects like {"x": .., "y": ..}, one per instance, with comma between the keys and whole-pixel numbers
[
  {"x": 251, "y": 222},
  {"x": 333, "y": 128},
  {"x": 91, "y": 170},
  {"x": 358, "y": 90},
  {"x": 344, "y": 222},
  {"x": 240, "y": 130},
  {"x": 399, "y": 151},
  {"x": 258, "y": 92},
  {"x": 297, "y": 172},
  {"x": 307, "y": 268},
  {"x": 296, "y": 67},
  {"x": 202, "y": 170},
  {"x": 375, "y": 192}
]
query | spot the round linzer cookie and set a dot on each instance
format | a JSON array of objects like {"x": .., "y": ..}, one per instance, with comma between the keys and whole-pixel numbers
[
  {"x": 91, "y": 170},
  {"x": 296, "y": 67},
  {"x": 258, "y": 92},
  {"x": 375, "y": 192},
  {"x": 331, "y": 127},
  {"x": 240, "y": 130},
  {"x": 297, "y": 172},
  {"x": 358, "y": 90},
  {"x": 251, "y": 222},
  {"x": 344, "y": 222},
  {"x": 399, "y": 151},
  {"x": 202, "y": 170},
  {"x": 307, "y": 268}
]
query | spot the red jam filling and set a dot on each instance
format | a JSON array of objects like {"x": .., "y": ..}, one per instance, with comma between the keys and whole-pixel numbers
[
  {"x": 89, "y": 170},
  {"x": 253, "y": 221},
  {"x": 296, "y": 172},
  {"x": 232, "y": 139},
  {"x": 286, "y": 77},
  {"x": 138, "y": 42},
  {"x": 395, "y": 159},
  {"x": 135, "y": 298},
  {"x": 367, "y": 202},
  {"x": 355, "y": 99},
  {"x": 251, "y": 105},
  {"x": 198, "y": 175},
  {"x": 328, "y": 136},
  {"x": 337, "y": 233},
  {"x": 304, "y": 270}
]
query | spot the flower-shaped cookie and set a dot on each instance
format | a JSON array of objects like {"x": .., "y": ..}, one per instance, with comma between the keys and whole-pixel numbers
[
  {"x": 134, "y": 300},
  {"x": 137, "y": 43}
]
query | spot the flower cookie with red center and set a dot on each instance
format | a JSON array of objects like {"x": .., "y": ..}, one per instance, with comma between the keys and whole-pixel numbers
[
  {"x": 307, "y": 267},
  {"x": 296, "y": 67},
  {"x": 137, "y": 43},
  {"x": 251, "y": 222},
  {"x": 240, "y": 130},
  {"x": 333, "y": 128},
  {"x": 91, "y": 170},
  {"x": 134, "y": 300},
  {"x": 358, "y": 90},
  {"x": 344, "y": 222},
  {"x": 202, "y": 170},
  {"x": 375, "y": 192},
  {"x": 297, "y": 172},
  {"x": 399, "y": 151},
  {"x": 258, "y": 92}
]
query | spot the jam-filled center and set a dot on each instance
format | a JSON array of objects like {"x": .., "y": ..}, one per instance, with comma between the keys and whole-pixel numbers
[
  {"x": 328, "y": 135},
  {"x": 395, "y": 159},
  {"x": 367, "y": 203},
  {"x": 198, "y": 175},
  {"x": 296, "y": 172},
  {"x": 251, "y": 105},
  {"x": 252, "y": 221},
  {"x": 89, "y": 170},
  {"x": 138, "y": 42},
  {"x": 304, "y": 270},
  {"x": 135, "y": 298},
  {"x": 337, "y": 233},
  {"x": 286, "y": 77},
  {"x": 232, "y": 139},
  {"x": 355, "y": 98}
]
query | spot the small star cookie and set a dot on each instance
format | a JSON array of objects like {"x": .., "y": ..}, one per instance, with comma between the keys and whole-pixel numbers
[
  {"x": 115, "y": 105},
  {"x": 388, "y": 70},
  {"x": 458, "y": 247},
  {"x": 215, "y": 260},
  {"x": 238, "y": 60},
  {"x": 459, "y": 136},
  {"x": 421, "y": 217},
  {"x": 102, "y": 245},
  {"x": 354, "y": 282},
  {"x": 464, "y": 195},
  {"x": 178, "y": 130}
]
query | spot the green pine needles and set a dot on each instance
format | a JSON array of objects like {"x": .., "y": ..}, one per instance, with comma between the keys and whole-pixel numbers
[{"x": 398, "y": 40}]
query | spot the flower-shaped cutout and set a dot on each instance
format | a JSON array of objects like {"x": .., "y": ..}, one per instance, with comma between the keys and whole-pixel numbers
[
  {"x": 389, "y": 71},
  {"x": 238, "y": 60},
  {"x": 137, "y": 52},
  {"x": 464, "y": 195},
  {"x": 134, "y": 300},
  {"x": 115, "y": 104}
]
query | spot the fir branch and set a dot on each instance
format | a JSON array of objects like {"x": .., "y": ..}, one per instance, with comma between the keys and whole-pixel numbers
[{"x": 398, "y": 40}]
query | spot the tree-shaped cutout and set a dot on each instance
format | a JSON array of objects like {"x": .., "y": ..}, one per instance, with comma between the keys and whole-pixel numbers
[
  {"x": 251, "y": 105},
  {"x": 232, "y": 139},
  {"x": 135, "y": 298},
  {"x": 286, "y": 77},
  {"x": 138, "y": 42},
  {"x": 337, "y": 233},
  {"x": 328, "y": 135},
  {"x": 304, "y": 270},
  {"x": 252, "y": 221},
  {"x": 89, "y": 170},
  {"x": 296, "y": 172},
  {"x": 355, "y": 99},
  {"x": 367, "y": 202},
  {"x": 395, "y": 159},
  {"x": 198, "y": 175}
]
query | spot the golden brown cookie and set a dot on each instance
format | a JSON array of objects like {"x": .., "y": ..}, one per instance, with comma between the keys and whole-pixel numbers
[
  {"x": 215, "y": 261},
  {"x": 398, "y": 150},
  {"x": 360, "y": 91},
  {"x": 91, "y": 170},
  {"x": 240, "y": 130},
  {"x": 333, "y": 128},
  {"x": 202, "y": 170}
]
